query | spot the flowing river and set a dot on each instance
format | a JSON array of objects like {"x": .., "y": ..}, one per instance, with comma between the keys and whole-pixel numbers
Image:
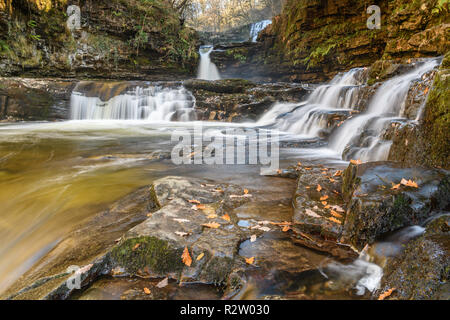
[{"x": 55, "y": 175}]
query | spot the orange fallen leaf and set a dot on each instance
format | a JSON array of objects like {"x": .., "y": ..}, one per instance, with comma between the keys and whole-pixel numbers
[
  {"x": 194, "y": 201},
  {"x": 284, "y": 223},
  {"x": 226, "y": 217},
  {"x": 357, "y": 162},
  {"x": 250, "y": 260},
  {"x": 335, "y": 214},
  {"x": 337, "y": 173},
  {"x": 245, "y": 191},
  {"x": 319, "y": 187},
  {"x": 286, "y": 228},
  {"x": 331, "y": 180},
  {"x": 334, "y": 220},
  {"x": 201, "y": 206},
  {"x": 386, "y": 294},
  {"x": 147, "y": 291},
  {"x": 308, "y": 168},
  {"x": 409, "y": 183},
  {"x": 324, "y": 203},
  {"x": 212, "y": 225},
  {"x": 299, "y": 164},
  {"x": 426, "y": 90},
  {"x": 136, "y": 246},
  {"x": 186, "y": 258},
  {"x": 279, "y": 171},
  {"x": 395, "y": 187},
  {"x": 323, "y": 198}
]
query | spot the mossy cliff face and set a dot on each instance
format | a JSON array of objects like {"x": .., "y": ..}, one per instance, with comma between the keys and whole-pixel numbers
[
  {"x": 312, "y": 40},
  {"x": 428, "y": 142},
  {"x": 117, "y": 39}
]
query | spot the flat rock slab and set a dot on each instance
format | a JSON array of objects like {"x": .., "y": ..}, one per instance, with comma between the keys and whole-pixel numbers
[
  {"x": 378, "y": 203},
  {"x": 194, "y": 216}
]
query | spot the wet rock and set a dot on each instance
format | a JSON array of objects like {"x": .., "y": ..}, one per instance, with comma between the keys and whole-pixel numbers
[
  {"x": 156, "y": 245},
  {"x": 426, "y": 142},
  {"x": 35, "y": 99},
  {"x": 375, "y": 208},
  {"x": 108, "y": 44},
  {"x": 319, "y": 211},
  {"x": 239, "y": 100},
  {"x": 422, "y": 270}
]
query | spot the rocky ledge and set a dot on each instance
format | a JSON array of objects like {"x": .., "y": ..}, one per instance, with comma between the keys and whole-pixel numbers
[{"x": 240, "y": 100}]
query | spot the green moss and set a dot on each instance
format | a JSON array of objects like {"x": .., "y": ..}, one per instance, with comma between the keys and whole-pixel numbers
[
  {"x": 218, "y": 269},
  {"x": 154, "y": 253},
  {"x": 437, "y": 119}
]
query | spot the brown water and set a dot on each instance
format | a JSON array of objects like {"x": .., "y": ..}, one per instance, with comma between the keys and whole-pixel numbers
[{"x": 53, "y": 176}]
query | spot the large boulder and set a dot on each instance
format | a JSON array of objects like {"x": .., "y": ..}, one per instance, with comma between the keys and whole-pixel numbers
[
  {"x": 422, "y": 270},
  {"x": 378, "y": 203}
]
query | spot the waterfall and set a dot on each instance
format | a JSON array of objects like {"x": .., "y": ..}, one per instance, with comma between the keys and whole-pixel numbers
[
  {"x": 139, "y": 103},
  {"x": 310, "y": 117},
  {"x": 207, "y": 70},
  {"x": 361, "y": 136},
  {"x": 257, "y": 27}
]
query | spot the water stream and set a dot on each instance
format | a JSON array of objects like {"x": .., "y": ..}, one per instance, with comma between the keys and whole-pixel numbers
[
  {"x": 257, "y": 27},
  {"x": 207, "y": 70}
]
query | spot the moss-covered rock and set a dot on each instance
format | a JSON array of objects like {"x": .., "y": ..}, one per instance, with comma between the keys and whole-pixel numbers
[
  {"x": 313, "y": 40},
  {"x": 376, "y": 208},
  {"x": 147, "y": 252},
  {"x": 422, "y": 270},
  {"x": 118, "y": 39},
  {"x": 427, "y": 142}
]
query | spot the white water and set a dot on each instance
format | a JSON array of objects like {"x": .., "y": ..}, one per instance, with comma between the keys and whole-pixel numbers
[
  {"x": 257, "y": 27},
  {"x": 207, "y": 70},
  {"x": 308, "y": 118},
  {"x": 149, "y": 103},
  {"x": 387, "y": 104},
  {"x": 361, "y": 135}
]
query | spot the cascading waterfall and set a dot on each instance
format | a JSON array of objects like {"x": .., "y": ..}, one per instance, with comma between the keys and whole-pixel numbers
[
  {"x": 207, "y": 70},
  {"x": 257, "y": 27},
  {"x": 139, "y": 103},
  {"x": 311, "y": 116},
  {"x": 361, "y": 136}
]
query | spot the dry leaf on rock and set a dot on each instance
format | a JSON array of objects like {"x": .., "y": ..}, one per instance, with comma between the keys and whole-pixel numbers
[
  {"x": 212, "y": 225},
  {"x": 163, "y": 283},
  {"x": 200, "y": 256},
  {"x": 250, "y": 260},
  {"x": 186, "y": 258},
  {"x": 386, "y": 294}
]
